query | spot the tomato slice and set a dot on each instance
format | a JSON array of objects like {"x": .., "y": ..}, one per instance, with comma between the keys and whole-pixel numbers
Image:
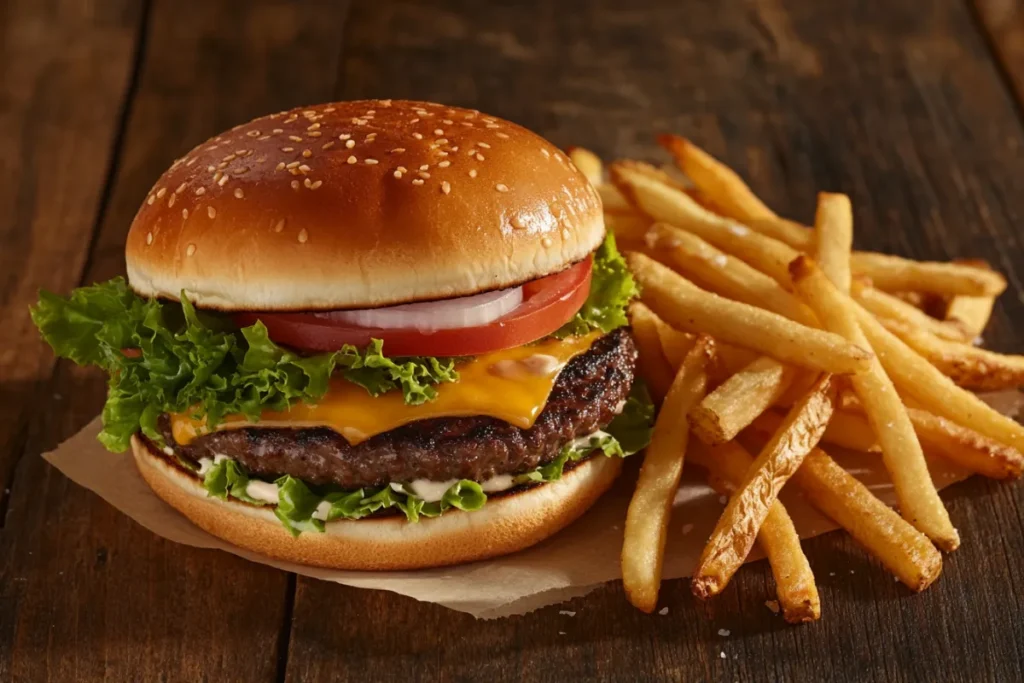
[{"x": 548, "y": 303}]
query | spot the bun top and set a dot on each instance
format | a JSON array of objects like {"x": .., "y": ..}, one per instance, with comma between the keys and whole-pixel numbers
[{"x": 361, "y": 204}]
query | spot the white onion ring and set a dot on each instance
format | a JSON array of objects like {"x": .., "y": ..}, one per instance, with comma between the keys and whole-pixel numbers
[{"x": 466, "y": 311}]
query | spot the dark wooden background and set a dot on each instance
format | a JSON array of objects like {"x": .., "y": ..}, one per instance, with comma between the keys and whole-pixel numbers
[{"x": 913, "y": 108}]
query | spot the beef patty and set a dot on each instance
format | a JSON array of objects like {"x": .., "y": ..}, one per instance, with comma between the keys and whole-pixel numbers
[{"x": 586, "y": 396}]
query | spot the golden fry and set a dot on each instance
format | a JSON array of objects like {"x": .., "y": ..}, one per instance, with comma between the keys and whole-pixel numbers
[
  {"x": 924, "y": 383},
  {"x": 588, "y": 163},
  {"x": 727, "y": 465},
  {"x": 654, "y": 368},
  {"x": 727, "y": 410},
  {"x": 887, "y": 306},
  {"x": 628, "y": 228},
  {"x": 970, "y": 313},
  {"x": 901, "y": 451},
  {"x": 612, "y": 199},
  {"x": 833, "y": 231},
  {"x": 689, "y": 308},
  {"x": 968, "y": 366},
  {"x": 734, "y": 534},
  {"x": 894, "y": 274},
  {"x": 643, "y": 545}
]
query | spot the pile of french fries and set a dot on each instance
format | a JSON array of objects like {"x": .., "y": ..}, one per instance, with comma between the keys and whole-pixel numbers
[{"x": 754, "y": 329}]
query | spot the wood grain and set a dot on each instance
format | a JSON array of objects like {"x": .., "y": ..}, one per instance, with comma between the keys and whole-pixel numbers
[
  {"x": 54, "y": 169},
  {"x": 86, "y": 594},
  {"x": 901, "y": 109}
]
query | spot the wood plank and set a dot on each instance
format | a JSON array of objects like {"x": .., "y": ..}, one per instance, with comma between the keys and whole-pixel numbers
[
  {"x": 86, "y": 594},
  {"x": 900, "y": 108},
  {"x": 1003, "y": 23},
  {"x": 54, "y": 171}
]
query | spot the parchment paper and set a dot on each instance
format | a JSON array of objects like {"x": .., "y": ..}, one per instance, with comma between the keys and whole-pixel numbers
[{"x": 569, "y": 564}]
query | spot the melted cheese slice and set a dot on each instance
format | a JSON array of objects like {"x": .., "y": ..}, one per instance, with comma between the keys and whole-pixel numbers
[{"x": 512, "y": 385}]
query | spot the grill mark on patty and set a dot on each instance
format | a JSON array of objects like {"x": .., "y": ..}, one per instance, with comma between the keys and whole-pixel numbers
[{"x": 583, "y": 400}]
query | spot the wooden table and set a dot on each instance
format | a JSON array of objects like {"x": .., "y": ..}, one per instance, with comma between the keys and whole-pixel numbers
[{"x": 914, "y": 109}]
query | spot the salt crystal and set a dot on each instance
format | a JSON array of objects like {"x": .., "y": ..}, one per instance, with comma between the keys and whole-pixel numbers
[
  {"x": 663, "y": 611},
  {"x": 738, "y": 229},
  {"x": 720, "y": 260}
]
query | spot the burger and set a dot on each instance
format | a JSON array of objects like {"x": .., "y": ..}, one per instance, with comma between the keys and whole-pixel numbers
[{"x": 377, "y": 334}]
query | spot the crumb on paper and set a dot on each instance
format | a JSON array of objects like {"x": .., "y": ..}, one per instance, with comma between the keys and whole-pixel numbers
[
  {"x": 722, "y": 654},
  {"x": 687, "y": 528},
  {"x": 773, "y": 605},
  {"x": 567, "y": 612},
  {"x": 724, "y": 632},
  {"x": 663, "y": 611}
]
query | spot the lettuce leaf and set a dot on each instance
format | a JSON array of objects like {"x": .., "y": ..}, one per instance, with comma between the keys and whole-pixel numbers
[
  {"x": 612, "y": 287},
  {"x": 298, "y": 501},
  {"x": 187, "y": 360}
]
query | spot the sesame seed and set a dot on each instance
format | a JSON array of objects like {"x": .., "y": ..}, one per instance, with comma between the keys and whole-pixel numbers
[
  {"x": 415, "y": 121},
  {"x": 479, "y": 157},
  {"x": 303, "y": 236},
  {"x": 190, "y": 250},
  {"x": 501, "y": 187},
  {"x": 309, "y": 112},
  {"x": 211, "y": 168},
  {"x": 149, "y": 238},
  {"x": 447, "y": 122},
  {"x": 295, "y": 184},
  {"x": 223, "y": 180},
  {"x": 222, "y": 165},
  {"x": 287, "y": 149},
  {"x": 444, "y": 164},
  {"x": 370, "y": 162},
  {"x": 455, "y": 148},
  {"x": 424, "y": 174},
  {"x": 200, "y": 191},
  {"x": 472, "y": 173},
  {"x": 216, "y": 176},
  {"x": 442, "y": 141},
  {"x": 281, "y": 166},
  {"x": 211, "y": 212},
  {"x": 292, "y": 164},
  {"x": 442, "y": 152},
  {"x": 418, "y": 136},
  {"x": 179, "y": 189},
  {"x": 307, "y": 182},
  {"x": 446, "y": 187},
  {"x": 170, "y": 202},
  {"x": 328, "y": 110},
  {"x": 484, "y": 145},
  {"x": 190, "y": 161},
  {"x": 316, "y": 184},
  {"x": 314, "y": 134},
  {"x": 306, "y": 153},
  {"x": 328, "y": 144},
  {"x": 313, "y": 126},
  {"x": 403, "y": 169},
  {"x": 438, "y": 131},
  {"x": 161, "y": 192},
  {"x": 546, "y": 241},
  {"x": 151, "y": 199},
  {"x": 417, "y": 181},
  {"x": 351, "y": 160},
  {"x": 350, "y": 144},
  {"x": 466, "y": 123},
  {"x": 295, "y": 138},
  {"x": 344, "y": 136},
  {"x": 263, "y": 137},
  {"x": 238, "y": 193},
  {"x": 229, "y": 157},
  {"x": 547, "y": 154},
  {"x": 242, "y": 152},
  {"x": 424, "y": 167},
  {"x": 184, "y": 213},
  {"x": 492, "y": 125},
  {"x": 279, "y": 226},
  {"x": 277, "y": 130},
  {"x": 304, "y": 168},
  {"x": 371, "y": 137},
  {"x": 398, "y": 174},
  {"x": 398, "y": 150}
]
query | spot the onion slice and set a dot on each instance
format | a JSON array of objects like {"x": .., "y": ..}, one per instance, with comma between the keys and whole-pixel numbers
[{"x": 466, "y": 311}]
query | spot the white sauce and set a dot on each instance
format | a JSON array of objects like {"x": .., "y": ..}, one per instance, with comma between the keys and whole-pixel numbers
[
  {"x": 321, "y": 511},
  {"x": 262, "y": 490},
  {"x": 430, "y": 491},
  {"x": 584, "y": 441},
  {"x": 499, "y": 482},
  {"x": 168, "y": 450},
  {"x": 205, "y": 464}
]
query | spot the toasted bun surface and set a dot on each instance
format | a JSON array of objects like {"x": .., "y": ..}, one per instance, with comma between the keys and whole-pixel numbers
[
  {"x": 361, "y": 204},
  {"x": 507, "y": 523}
]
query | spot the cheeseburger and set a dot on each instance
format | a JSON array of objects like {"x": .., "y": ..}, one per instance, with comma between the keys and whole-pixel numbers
[{"x": 367, "y": 335}]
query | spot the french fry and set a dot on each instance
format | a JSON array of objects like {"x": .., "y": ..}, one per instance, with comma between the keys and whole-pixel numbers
[
  {"x": 689, "y": 308},
  {"x": 970, "y": 313},
  {"x": 904, "y": 550},
  {"x": 901, "y": 451},
  {"x": 670, "y": 205},
  {"x": 727, "y": 464},
  {"x": 716, "y": 181},
  {"x": 588, "y": 163},
  {"x": 833, "y": 230},
  {"x": 612, "y": 199},
  {"x": 885, "y": 305},
  {"x": 924, "y": 383},
  {"x": 727, "y": 410},
  {"x": 652, "y": 364},
  {"x": 957, "y": 444},
  {"x": 643, "y": 545},
  {"x": 968, "y": 366},
  {"x": 734, "y": 534},
  {"x": 726, "y": 275},
  {"x": 851, "y": 431},
  {"x": 894, "y": 274},
  {"x": 628, "y": 228}
]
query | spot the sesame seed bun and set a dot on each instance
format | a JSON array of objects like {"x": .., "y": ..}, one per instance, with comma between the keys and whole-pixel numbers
[
  {"x": 507, "y": 523},
  {"x": 361, "y": 204}
]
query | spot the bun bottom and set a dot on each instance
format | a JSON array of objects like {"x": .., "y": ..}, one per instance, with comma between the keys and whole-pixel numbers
[{"x": 507, "y": 523}]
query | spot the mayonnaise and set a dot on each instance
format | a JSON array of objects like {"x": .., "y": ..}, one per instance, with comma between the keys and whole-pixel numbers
[
  {"x": 322, "y": 510},
  {"x": 262, "y": 490}
]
